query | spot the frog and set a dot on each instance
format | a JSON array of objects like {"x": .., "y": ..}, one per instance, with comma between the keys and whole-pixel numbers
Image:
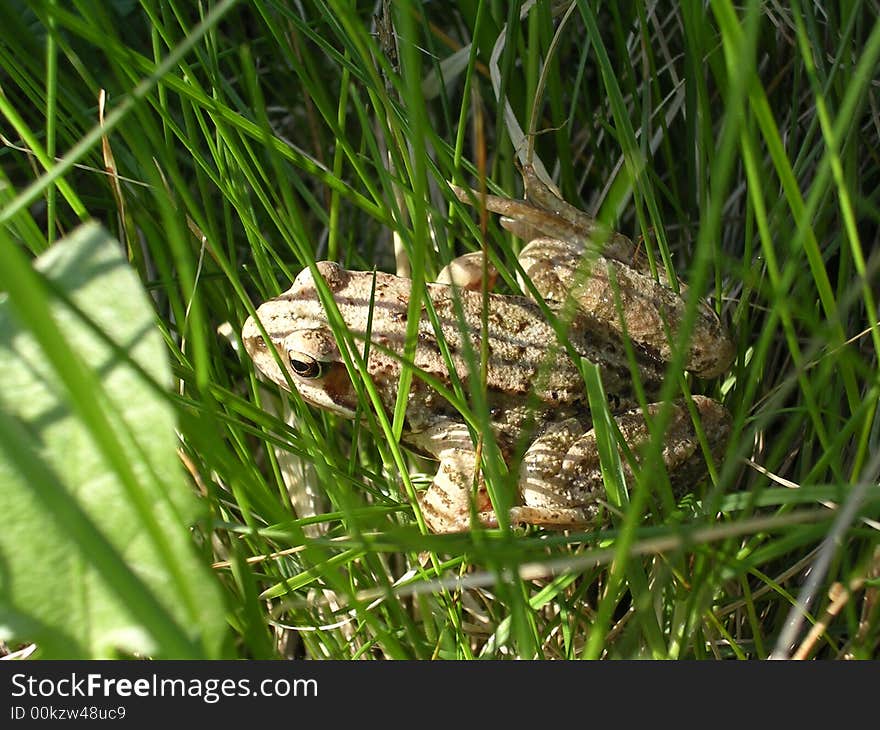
[{"x": 610, "y": 310}]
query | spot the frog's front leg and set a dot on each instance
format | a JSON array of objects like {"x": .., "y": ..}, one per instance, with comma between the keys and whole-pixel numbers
[
  {"x": 561, "y": 481},
  {"x": 446, "y": 505}
]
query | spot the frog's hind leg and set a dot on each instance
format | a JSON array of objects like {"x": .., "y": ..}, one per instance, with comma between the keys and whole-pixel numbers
[
  {"x": 561, "y": 482},
  {"x": 557, "y": 490}
]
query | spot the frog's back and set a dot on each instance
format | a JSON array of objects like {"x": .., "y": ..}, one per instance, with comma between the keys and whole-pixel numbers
[{"x": 524, "y": 354}]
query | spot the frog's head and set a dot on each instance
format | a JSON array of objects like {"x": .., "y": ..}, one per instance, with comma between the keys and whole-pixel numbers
[{"x": 298, "y": 331}]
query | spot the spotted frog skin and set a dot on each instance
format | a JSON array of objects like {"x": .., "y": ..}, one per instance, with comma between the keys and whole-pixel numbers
[{"x": 588, "y": 277}]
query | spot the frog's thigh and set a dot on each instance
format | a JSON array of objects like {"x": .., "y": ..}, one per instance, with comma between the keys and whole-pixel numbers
[{"x": 555, "y": 488}]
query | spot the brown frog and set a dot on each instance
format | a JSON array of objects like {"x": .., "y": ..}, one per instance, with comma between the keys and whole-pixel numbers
[{"x": 587, "y": 276}]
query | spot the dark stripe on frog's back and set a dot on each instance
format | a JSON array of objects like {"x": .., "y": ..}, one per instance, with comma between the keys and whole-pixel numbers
[
  {"x": 600, "y": 344},
  {"x": 525, "y": 345}
]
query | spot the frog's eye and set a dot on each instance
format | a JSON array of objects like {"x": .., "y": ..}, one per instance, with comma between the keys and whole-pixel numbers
[{"x": 305, "y": 365}]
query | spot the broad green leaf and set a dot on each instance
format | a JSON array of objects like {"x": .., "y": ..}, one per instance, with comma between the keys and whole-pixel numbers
[{"x": 96, "y": 555}]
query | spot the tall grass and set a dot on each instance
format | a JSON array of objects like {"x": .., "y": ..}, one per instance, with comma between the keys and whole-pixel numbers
[{"x": 737, "y": 145}]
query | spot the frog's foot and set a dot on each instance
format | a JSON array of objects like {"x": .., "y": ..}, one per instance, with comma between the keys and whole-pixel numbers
[
  {"x": 453, "y": 496},
  {"x": 551, "y": 494},
  {"x": 545, "y": 214},
  {"x": 561, "y": 518}
]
